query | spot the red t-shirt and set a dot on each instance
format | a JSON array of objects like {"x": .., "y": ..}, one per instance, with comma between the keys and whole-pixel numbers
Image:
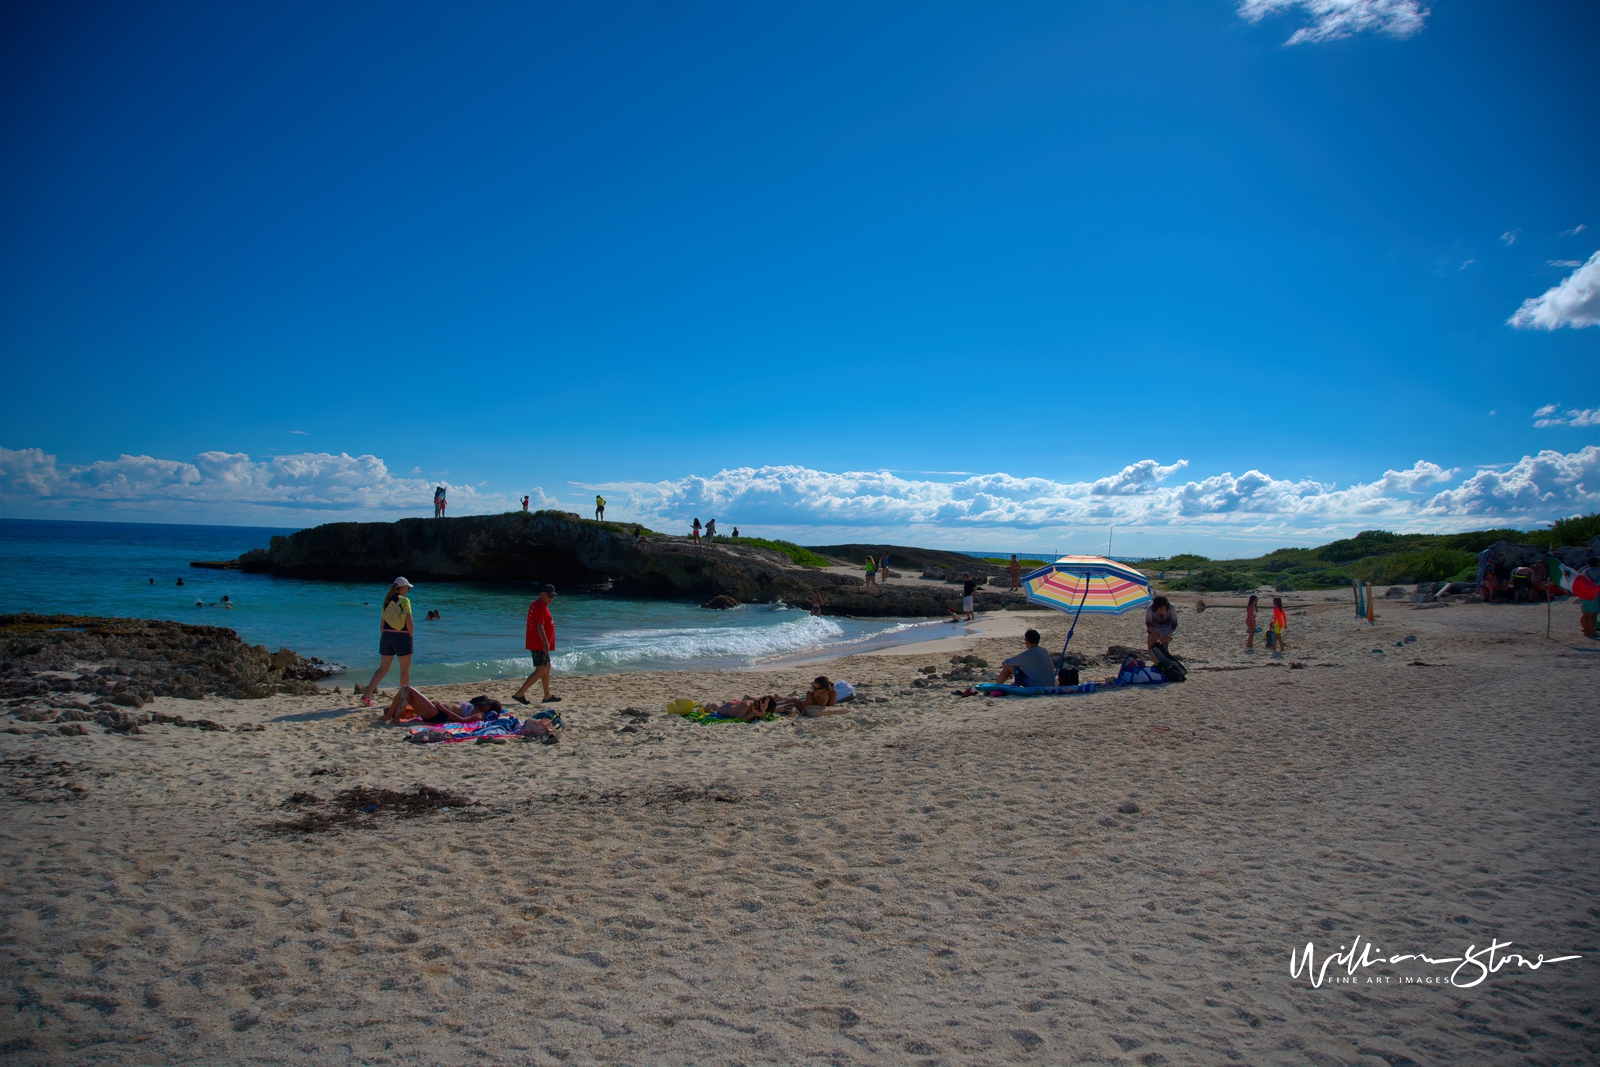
[{"x": 539, "y": 619}]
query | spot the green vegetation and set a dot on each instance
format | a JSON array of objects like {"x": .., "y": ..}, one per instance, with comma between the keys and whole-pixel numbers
[
  {"x": 1375, "y": 556},
  {"x": 803, "y": 556},
  {"x": 1005, "y": 561}
]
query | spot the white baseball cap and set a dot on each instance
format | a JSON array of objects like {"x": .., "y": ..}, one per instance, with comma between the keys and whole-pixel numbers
[{"x": 401, "y": 581}]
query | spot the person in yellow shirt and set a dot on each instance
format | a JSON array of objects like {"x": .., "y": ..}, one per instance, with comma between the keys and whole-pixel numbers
[
  {"x": 599, "y": 507},
  {"x": 396, "y": 628}
]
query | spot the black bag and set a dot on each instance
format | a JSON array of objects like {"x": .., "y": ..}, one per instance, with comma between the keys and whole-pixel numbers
[
  {"x": 1171, "y": 668},
  {"x": 1067, "y": 676}
]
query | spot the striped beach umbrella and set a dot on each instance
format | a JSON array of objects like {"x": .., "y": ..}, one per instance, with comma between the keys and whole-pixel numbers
[{"x": 1077, "y": 584}]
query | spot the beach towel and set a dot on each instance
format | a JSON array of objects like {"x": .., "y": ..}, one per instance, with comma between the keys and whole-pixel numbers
[
  {"x": 997, "y": 689},
  {"x": 843, "y": 691},
  {"x": 692, "y": 712},
  {"x": 540, "y": 725}
]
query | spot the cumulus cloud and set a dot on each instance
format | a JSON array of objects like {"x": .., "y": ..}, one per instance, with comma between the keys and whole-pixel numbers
[
  {"x": 1575, "y": 302},
  {"x": 308, "y": 483},
  {"x": 1552, "y": 415},
  {"x": 1333, "y": 19},
  {"x": 797, "y": 498}
]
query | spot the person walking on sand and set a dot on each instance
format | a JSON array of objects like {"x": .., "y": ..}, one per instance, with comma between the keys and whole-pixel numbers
[
  {"x": 1160, "y": 621},
  {"x": 872, "y": 577},
  {"x": 1016, "y": 573},
  {"x": 599, "y": 507},
  {"x": 396, "y": 628},
  {"x": 1250, "y": 623},
  {"x": 1280, "y": 623},
  {"x": 968, "y": 587},
  {"x": 540, "y": 643}
]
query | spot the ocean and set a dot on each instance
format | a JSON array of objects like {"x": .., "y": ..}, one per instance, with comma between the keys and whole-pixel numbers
[{"x": 133, "y": 570}]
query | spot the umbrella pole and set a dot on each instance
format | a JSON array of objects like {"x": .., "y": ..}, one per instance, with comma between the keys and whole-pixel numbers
[{"x": 1074, "y": 625}]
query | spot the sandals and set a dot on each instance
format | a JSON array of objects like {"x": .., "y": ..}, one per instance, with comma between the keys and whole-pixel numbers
[
  {"x": 551, "y": 700},
  {"x": 520, "y": 699}
]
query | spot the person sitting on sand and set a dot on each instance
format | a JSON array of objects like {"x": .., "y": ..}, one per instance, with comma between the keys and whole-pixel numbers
[
  {"x": 1160, "y": 621},
  {"x": 436, "y": 712},
  {"x": 820, "y": 699},
  {"x": 750, "y": 709},
  {"x": 1030, "y": 667}
]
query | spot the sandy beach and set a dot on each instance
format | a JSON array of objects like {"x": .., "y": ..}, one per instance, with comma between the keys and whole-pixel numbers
[{"x": 928, "y": 879}]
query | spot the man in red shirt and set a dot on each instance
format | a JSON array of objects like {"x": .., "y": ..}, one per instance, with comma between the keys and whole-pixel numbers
[{"x": 541, "y": 642}]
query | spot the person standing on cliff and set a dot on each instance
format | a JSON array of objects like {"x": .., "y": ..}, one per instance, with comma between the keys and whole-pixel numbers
[
  {"x": 711, "y": 529},
  {"x": 968, "y": 587},
  {"x": 540, "y": 643},
  {"x": 694, "y": 533},
  {"x": 599, "y": 508},
  {"x": 524, "y": 503},
  {"x": 396, "y": 628},
  {"x": 1016, "y": 573}
]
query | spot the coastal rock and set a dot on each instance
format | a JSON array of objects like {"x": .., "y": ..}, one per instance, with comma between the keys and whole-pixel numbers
[
  {"x": 128, "y": 662},
  {"x": 1394, "y": 592},
  {"x": 721, "y": 602}
]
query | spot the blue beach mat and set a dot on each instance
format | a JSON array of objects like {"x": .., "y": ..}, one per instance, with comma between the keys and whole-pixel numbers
[{"x": 996, "y": 689}]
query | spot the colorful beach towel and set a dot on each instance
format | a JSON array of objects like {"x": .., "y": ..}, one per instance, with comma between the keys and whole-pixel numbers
[
  {"x": 692, "y": 712},
  {"x": 541, "y": 724}
]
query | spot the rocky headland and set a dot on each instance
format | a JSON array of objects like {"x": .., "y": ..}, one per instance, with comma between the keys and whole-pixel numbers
[{"x": 576, "y": 554}]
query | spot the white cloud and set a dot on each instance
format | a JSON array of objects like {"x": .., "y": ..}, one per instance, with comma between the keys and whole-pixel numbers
[
  {"x": 1565, "y": 262},
  {"x": 313, "y": 485},
  {"x": 1333, "y": 19},
  {"x": 1510, "y": 237},
  {"x": 1579, "y": 228},
  {"x": 1575, "y": 302},
  {"x": 1467, "y": 264},
  {"x": 302, "y": 433},
  {"x": 1552, "y": 415},
  {"x": 800, "y": 499},
  {"x": 819, "y": 506}
]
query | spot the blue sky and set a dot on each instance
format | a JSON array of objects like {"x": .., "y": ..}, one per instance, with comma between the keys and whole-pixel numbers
[{"x": 299, "y": 262}]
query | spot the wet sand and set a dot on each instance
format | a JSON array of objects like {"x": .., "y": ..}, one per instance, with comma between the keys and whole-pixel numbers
[{"x": 928, "y": 879}]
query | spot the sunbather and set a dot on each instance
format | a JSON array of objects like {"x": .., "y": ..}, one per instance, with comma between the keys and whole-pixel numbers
[
  {"x": 437, "y": 712},
  {"x": 820, "y": 699},
  {"x": 747, "y": 710}
]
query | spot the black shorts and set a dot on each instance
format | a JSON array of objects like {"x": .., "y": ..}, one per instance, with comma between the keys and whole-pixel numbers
[
  {"x": 540, "y": 658},
  {"x": 394, "y": 643}
]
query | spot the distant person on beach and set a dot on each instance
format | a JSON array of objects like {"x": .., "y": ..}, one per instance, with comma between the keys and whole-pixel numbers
[
  {"x": 711, "y": 529},
  {"x": 396, "y": 628},
  {"x": 694, "y": 531},
  {"x": 750, "y": 709},
  {"x": 1280, "y": 623},
  {"x": 1160, "y": 621},
  {"x": 1030, "y": 667},
  {"x": 1016, "y": 572},
  {"x": 524, "y": 503},
  {"x": 736, "y": 531},
  {"x": 816, "y": 602},
  {"x": 1589, "y": 610},
  {"x": 541, "y": 641},
  {"x": 432, "y": 712},
  {"x": 872, "y": 577},
  {"x": 599, "y": 507},
  {"x": 1250, "y": 623},
  {"x": 638, "y": 532},
  {"x": 968, "y": 587}
]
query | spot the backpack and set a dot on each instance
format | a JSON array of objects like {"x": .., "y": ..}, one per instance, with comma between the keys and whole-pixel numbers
[{"x": 1171, "y": 668}]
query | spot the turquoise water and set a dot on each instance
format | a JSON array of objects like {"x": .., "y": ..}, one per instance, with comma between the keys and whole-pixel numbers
[{"x": 132, "y": 569}]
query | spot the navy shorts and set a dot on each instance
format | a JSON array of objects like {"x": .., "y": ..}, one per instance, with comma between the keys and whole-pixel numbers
[
  {"x": 540, "y": 658},
  {"x": 394, "y": 643}
]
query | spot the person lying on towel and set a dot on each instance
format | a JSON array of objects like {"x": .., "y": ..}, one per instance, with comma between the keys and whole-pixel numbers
[
  {"x": 750, "y": 709},
  {"x": 1031, "y": 667},
  {"x": 437, "y": 712}
]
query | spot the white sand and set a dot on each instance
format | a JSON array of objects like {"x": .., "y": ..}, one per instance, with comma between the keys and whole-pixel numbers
[{"x": 927, "y": 880}]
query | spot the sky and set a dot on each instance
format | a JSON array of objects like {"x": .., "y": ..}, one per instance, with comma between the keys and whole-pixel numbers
[{"x": 1222, "y": 276}]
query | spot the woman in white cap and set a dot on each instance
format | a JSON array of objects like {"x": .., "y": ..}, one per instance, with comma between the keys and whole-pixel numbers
[{"x": 395, "y": 630}]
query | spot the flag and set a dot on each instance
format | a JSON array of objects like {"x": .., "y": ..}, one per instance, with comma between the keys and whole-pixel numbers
[{"x": 1575, "y": 582}]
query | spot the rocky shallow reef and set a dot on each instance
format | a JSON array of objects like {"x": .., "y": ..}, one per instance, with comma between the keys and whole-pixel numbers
[{"x": 130, "y": 661}]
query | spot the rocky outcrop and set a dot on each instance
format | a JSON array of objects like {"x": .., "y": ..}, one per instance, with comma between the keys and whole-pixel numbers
[
  {"x": 129, "y": 661},
  {"x": 574, "y": 553},
  {"x": 1509, "y": 556}
]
